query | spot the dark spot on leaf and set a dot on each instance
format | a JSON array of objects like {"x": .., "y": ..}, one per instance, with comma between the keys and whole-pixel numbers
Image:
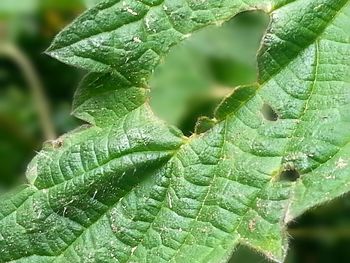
[
  {"x": 290, "y": 175},
  {"x": 269, "y": 113}
]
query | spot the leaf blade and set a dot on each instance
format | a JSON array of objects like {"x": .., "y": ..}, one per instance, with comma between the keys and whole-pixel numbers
[{"x": 219, "y": 188}]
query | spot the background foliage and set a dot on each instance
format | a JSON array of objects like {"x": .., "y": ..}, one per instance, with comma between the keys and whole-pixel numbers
[{"x": 321, "y": 235}]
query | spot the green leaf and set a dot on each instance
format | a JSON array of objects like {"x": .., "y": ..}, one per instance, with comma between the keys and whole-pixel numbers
[
  {"x": 101, "y": 99},
  {"x": 132, "y": 189},
  {"x": 99, "y": 41}
]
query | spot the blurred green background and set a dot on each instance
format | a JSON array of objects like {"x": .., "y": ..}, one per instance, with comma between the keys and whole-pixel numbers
[{"x": 36, "y": 94}]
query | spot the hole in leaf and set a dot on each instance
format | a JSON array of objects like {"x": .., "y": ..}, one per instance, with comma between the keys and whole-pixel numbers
[
  {"x": 269, "y": 113},
  {"x": 199, "y": 73},
  {"x": 290, "y": 175}
]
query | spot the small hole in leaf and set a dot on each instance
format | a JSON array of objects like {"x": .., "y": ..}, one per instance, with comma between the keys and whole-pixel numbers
[
  {"x": 290, "y": 175},
  {"x": 269, "y": 113}
]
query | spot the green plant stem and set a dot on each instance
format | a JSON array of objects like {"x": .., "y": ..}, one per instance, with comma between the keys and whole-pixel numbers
[{"x": 35, "y": 85}]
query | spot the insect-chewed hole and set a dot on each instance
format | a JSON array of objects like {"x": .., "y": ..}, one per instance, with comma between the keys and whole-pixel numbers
[
  {"x": 198, "y": 74},
  {"x": 290, "y": 175},
  {"x": 269, "y": 113}
]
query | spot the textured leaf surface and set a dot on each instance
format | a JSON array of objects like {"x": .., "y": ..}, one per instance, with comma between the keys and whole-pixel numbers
[{"x": 132, "y": 189}]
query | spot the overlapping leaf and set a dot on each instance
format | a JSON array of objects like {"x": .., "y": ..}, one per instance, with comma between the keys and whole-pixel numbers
[{"x": 132, "y": 189}]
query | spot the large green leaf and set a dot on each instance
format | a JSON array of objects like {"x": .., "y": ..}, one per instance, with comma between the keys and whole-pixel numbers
[{"x": 132, "y": 189}]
